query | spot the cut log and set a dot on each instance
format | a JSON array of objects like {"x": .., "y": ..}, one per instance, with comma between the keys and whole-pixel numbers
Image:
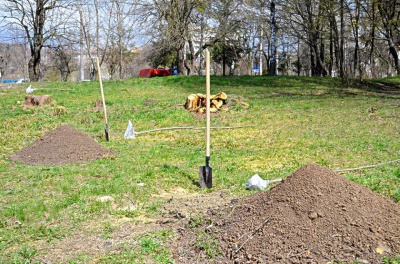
[
  {"x": 37, "y": 99},
  {"x": 220, "y": 95},
  {"x": 189, "y": 101},
  {"x": 217, "y": 103}
]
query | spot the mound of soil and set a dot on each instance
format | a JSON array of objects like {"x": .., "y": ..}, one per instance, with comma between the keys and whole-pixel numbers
[
  {"x": 313, "y": 216},
  {"x": 63, "y": 145}
]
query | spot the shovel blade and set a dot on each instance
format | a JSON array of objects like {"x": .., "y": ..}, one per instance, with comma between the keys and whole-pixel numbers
[
  {"x": 106, "y": 133},
  {"x": 205, "y": 176}
]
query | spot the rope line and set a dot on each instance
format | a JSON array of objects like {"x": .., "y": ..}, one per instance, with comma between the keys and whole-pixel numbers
[
  {"x": 368, "y": 166},
  {"x": 194, "y": 128},
  {"x": 234, "y": 127}
]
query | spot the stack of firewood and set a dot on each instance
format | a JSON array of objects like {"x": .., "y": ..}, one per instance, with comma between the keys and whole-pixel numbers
[{"x": 197, "y": 102}]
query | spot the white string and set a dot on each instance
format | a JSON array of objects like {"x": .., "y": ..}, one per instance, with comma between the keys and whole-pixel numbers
[
  {"x": 195, "y": 128},
  {"x": 368, "y": 166}
]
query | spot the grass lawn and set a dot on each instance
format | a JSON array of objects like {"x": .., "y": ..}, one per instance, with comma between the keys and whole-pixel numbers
[{"x": 288, "y": 122}]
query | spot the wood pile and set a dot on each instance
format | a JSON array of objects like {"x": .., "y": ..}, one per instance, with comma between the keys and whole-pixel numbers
[{"x": 197, "y": 102}]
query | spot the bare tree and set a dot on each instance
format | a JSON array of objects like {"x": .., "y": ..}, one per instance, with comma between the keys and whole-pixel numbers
[
  {"x": 40, "y": 20},
  {"x": 121, "y": 34},
  {"x": 176, "y": 30},
  {"x": 308, "y": 22},
  {"x": 63, "y": 59},
  {"x": 227, "y": 40},
  {"x": 390, "y": 13},
  {"x": 85, "y": 26}
]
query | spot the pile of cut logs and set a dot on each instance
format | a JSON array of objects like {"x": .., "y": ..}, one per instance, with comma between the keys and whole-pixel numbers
[{"x": 197, "y": 102}]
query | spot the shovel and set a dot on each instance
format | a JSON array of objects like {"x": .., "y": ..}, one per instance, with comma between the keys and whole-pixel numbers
[
  {"x": 205, "y": 172},
  {"x": 102, "y": 96}
]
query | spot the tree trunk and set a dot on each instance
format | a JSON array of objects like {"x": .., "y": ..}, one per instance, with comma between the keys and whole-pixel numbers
[
  {"x": 355, "y": 24},
  {"x": 33, "y": 70},
  {"x": 372, "y": 37},
  {"x": 223, "y": 62},
  {"x": 36, "y": 44},
  {"x": 393, "y": 52},
  {"x": 341, "y": 45},
  {"x": 181, "y": 60},
  {"x": 298, "y": 57},
  {"x": 321, "y": 59},
  {"x": 313, "y": 60},
  {"x": 331, "y": 45},
  {"x": 388, "y": 13},
  {"x": 272, "y": 62},
  {"x": 190, "y": 62},
  {"x": 34, "y": 61}
]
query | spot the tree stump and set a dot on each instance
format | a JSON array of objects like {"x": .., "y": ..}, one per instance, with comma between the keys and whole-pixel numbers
[{"x": 35, "y": 100}]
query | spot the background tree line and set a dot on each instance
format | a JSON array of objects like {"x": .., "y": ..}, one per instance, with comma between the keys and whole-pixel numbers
[{"x": 344, "y": 38}]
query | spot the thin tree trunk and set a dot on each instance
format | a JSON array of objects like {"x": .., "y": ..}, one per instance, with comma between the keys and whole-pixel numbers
[
  {"x": 372, "y": 50},
  {"x": 272, "y": 63},
  {"x": 393, "y": 52},
  {"x": 388, "y": 14},
  {"x": 85, "y": 34},
  {"x": 298, "y": 57},
  {"x": 331, "y": 46},
  {"x": 356, "y": 56},
  {"x": 181, "y": 60},
  {"x": 223, "y": 62},
  {"x": 341, "y": 45}
]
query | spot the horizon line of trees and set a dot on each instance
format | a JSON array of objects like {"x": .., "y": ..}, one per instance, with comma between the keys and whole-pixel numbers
[{"x": 343, "y": 38}]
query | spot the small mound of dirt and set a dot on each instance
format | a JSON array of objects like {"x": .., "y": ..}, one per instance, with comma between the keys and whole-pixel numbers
[
  {"x": 63, "y": 145},
  {"x": 313, "y": 216}
]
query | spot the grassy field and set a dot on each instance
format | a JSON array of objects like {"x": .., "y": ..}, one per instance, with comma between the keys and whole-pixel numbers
[{"x": 288, "y": 122}]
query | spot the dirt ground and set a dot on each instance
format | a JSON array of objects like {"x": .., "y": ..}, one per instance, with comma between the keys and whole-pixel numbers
[
  {"x": 314, "y": 216},
  {"x": 62, "y": 145}
]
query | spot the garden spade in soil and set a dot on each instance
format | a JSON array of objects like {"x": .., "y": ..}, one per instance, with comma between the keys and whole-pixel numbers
[
  {"x": 205, "y": 172},
  {"x": 102, "y": 96}
]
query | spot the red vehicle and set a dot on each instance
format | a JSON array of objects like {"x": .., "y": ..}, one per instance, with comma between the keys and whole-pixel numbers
[{"x": 160, "y": 72}]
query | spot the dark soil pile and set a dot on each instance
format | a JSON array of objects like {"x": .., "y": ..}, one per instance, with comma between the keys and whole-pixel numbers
[
  {"x": 63, "y": 145},
  {"x": 313, "y": 216}
]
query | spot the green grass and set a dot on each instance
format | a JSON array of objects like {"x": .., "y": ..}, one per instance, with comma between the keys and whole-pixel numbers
[{"x": 294, "y": 121}]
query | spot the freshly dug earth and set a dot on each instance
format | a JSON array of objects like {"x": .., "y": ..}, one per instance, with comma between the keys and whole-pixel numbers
[
  {"x": 63, "y": 145},
  {"x": 313, "y": 216}
]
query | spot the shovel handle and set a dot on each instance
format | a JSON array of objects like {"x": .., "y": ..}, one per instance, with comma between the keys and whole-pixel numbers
[
  {"x": 101, "y": 89},
  {"x": 208, "y": 103},
  {"x": 275, "y": 180}
]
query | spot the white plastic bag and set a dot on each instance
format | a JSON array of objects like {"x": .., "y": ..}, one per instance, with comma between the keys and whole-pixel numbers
[
  {"x": 255, "y": 182},
  {"x": 130, "y": 131}
]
